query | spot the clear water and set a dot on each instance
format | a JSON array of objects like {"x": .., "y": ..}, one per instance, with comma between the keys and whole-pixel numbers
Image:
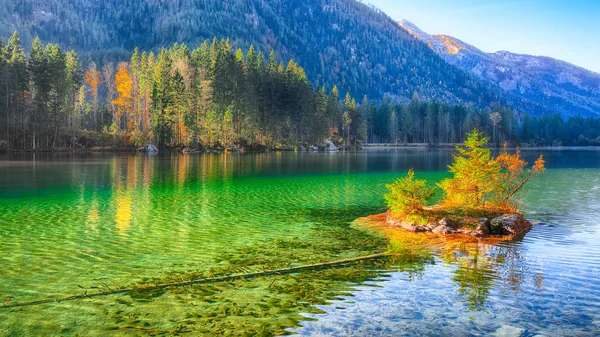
[{"x": 75, "y": 223}]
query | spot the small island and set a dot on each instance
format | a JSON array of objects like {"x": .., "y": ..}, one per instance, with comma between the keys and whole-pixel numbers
[{"x": 480, "y": 200}]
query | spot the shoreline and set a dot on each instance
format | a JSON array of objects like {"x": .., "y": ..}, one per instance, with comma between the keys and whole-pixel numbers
[
  {"x": 363, "y": 147},
  {"x": 506, "y": 227},
  {"x": 451, "y": 146}
]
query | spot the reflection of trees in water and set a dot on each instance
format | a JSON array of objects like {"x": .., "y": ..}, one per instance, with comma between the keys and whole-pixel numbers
[{"x": 481, "y": 266}]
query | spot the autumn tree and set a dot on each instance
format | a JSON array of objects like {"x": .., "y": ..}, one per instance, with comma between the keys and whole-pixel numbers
[
  {"x": 475, "y": 174},
  {"x": 481, "y": 182},
  {"x": 513, "y": 176},
  {"x": 124, "y": 99}
]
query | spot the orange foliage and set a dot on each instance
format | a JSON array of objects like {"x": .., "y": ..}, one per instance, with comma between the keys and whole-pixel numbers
[
  {"x": 483, "y": 184},
  {"x": 124, "y": 87},
  {"x": 92, "y": 77},
  {"x": 183, "y": 129},
  {"x": 513, "y": 176}
]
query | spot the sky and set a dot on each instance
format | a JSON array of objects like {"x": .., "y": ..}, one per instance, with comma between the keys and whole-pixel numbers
[{"x": 568, "y": 30}]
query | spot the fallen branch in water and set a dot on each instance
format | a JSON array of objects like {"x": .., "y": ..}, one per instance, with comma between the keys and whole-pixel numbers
[{"x": 227, "y": 278}]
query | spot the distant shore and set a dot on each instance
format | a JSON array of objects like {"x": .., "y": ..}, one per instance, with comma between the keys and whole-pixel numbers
[
  {"x": 453, "y": 145},
  {"x": 291, "y": 149}
]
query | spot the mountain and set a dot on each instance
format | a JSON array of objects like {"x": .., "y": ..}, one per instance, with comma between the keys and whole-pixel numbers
[
  {"x": 337, "y": 42},
  {"x": 541, "y": 84}
]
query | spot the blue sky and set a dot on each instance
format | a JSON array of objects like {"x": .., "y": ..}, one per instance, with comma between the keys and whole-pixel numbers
[{"x": 564, "y": 29}]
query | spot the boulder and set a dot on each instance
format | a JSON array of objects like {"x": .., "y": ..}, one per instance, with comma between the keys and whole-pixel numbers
[
  {"x": 432, "y": 226},
  {"x": 414, "y": 228},
  {"x": 152, "y": 149},
  {"x": 409, "y": 226},
  {"x": 509, "y": 224},
  {"x": 444, "y": 229},
  {"x": 483, "y": 228},
  {"x": 449, "y": 223}
]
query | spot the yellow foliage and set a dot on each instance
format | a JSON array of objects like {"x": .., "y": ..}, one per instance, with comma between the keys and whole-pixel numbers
[
  {"x": 481, "y": 182},
  {"x": 123, "y": 85},
  {"x": 475, "y": 175}
]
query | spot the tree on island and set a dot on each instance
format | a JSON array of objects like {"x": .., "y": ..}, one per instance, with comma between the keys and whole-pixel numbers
[{"x": 481, "y": 185}]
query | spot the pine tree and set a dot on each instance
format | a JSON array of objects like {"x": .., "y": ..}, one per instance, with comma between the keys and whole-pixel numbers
[
  {"x": 74, "y": 82},
  {"x": 92, "y": 78},
  {"x": 333, "y": 112},
  {"x": 17, "y": 88},
  {"x": 40, "y": 85}
]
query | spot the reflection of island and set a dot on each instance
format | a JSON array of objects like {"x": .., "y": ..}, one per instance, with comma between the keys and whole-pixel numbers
[{"x": 480, "y": 265}]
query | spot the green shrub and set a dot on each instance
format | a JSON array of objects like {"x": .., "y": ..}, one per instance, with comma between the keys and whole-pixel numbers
[{"x": 407, "y": 196}]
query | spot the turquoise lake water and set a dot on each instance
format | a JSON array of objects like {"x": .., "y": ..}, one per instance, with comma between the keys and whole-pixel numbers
[{"x": 91, "y": 222}]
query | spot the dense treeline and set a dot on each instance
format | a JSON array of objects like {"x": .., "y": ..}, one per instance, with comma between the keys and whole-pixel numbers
[
  {"x": 431, "y": 122},
  {"x": 213, "y": 96},
  {"x": 218, "y": 97}
]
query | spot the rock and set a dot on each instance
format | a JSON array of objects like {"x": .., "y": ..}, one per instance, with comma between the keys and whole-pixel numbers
[
  {"x": 448, "y": 223},
  {"x": 152, "y": 149},
  {"x": 509, "y": 224},
  {"x": 414, "y": 228},
  {"x": 330, "y": 146},
  {"x": 483, "y": 228},
  {"x": 444, "y": 229},
  {"x": 409, "y": 226},
  {"x": 509, "y": 331},
  {"x": 432, "y": 226}
]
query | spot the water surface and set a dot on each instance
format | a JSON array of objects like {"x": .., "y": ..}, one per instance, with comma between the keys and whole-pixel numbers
[{"x": 90, "y": 222}]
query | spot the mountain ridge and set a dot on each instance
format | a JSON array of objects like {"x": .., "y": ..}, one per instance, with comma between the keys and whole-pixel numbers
[{"x": 551, "y": 84}]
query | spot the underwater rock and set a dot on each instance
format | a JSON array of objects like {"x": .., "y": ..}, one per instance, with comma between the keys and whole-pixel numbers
[
  {"x": 509, "y": 331},
  {"x": 510, "y": 224}
]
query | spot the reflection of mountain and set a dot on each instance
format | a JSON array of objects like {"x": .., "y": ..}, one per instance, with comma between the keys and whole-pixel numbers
[{"x": 540, "y": 84}]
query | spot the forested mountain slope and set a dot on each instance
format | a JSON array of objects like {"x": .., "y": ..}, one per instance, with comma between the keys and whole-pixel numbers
[
  {"x": 338, "y": 42},
  {"x": 540, "y": 84}
]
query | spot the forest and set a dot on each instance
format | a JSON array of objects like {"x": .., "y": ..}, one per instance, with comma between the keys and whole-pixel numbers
[{"x": 217, "y": 97}]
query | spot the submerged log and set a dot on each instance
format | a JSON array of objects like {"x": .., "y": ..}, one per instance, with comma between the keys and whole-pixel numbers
[{"x": 228, "y": 278}]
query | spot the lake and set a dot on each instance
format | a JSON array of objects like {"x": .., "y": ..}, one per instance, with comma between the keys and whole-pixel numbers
[{"x": 76, "y": 224}]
